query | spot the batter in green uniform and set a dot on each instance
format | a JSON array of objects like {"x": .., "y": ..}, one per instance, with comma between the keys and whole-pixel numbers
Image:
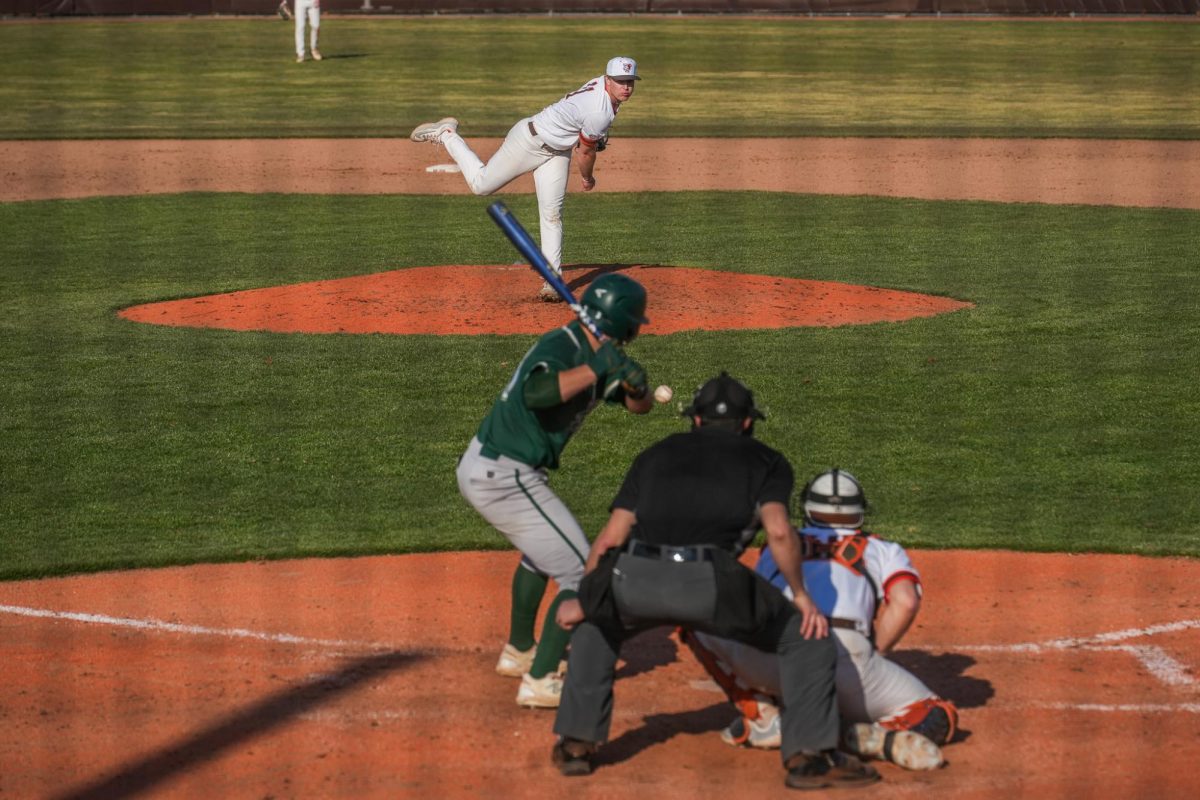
[{"x": 504, "y": 473}]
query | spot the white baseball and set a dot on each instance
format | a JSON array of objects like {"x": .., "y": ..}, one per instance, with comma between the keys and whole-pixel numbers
[{"x": 663, "y": 394}]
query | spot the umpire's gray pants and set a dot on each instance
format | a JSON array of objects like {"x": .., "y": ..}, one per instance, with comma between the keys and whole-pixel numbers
[{"x": 806, "y": 668}]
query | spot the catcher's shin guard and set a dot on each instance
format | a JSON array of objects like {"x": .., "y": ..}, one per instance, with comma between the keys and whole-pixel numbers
[
  {"x": 906, "y": 749},
  {"x": 933, "y": 718},
  {"x": 739, "y": 694}
]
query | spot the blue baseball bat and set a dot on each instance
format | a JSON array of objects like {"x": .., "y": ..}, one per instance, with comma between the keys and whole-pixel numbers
[{"x": 533, "y": 254}]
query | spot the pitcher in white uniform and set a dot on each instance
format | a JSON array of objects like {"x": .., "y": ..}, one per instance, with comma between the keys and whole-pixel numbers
[
  {"x": 887, "y": 711},
  {"x": 543, "y": 144}
]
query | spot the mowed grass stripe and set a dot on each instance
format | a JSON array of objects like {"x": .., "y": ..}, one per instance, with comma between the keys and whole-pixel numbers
[
  {"x": 1058, "y": 414},
  {"x": 704, "y": 76}
]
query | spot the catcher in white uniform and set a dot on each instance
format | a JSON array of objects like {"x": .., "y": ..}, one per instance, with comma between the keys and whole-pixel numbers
[
  {"x": 887, "y": 712},
  {"x": 543, "y": 144}
]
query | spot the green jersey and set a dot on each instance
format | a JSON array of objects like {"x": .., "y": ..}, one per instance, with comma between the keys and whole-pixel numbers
[{"x": 537, "y": 436}]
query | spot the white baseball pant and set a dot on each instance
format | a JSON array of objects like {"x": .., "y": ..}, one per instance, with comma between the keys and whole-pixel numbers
[
  {"x": 869, "y": 686},
  {"x": 310, "y": 11},
  {"x": 521, "y": 152},
  {"x": 517, "y": 500}
]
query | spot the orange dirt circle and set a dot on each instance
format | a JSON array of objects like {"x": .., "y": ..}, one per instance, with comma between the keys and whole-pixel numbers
[
  {"x": 503, "y": 300},
  {"x": 372, "y": 677}
]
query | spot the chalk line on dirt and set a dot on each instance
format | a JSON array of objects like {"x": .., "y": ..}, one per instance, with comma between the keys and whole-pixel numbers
[
  {"x": 198, "y": 630},
  {"x": 1155, "y": 660}
]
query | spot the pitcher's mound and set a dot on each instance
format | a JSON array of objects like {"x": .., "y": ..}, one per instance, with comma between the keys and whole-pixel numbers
[{"x": 504, "y": 300}]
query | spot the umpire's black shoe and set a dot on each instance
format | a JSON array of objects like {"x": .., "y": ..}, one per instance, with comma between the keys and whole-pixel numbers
[
  {"x": 831, "y": 769},
  {"x": 573, "y": 757}
]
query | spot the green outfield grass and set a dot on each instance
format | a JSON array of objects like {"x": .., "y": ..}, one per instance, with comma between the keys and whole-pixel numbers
[
  {"x": 1058, "y": 414},
  {"x": 705, "y": 76}
]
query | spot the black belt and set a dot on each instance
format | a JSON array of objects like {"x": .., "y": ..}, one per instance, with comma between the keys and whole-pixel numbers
[
  {"x": 841, "y": 622},
  {"x": 644, "y": 550},
  {"x": 533, "y": 132}
]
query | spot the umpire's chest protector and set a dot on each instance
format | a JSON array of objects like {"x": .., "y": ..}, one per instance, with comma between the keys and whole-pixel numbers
[
  {"x": 721, "y": 596},
  {"x": 660, "y": 591}
]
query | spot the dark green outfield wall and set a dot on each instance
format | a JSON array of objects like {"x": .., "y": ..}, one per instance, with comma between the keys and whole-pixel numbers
[{"x": 205, "y": 7}]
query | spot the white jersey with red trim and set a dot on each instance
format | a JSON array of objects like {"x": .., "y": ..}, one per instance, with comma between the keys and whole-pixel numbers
[
  {"x": 586, "y": 113},
  {"x": 837, "y": 588},
  {"x": 870, "y": 687}
]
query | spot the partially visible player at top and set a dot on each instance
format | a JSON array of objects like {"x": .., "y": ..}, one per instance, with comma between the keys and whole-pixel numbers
[
  {"x": 307, "y": 11},
  {"x": 503, "y": 474},
  {"x": 544, "y": 144}
]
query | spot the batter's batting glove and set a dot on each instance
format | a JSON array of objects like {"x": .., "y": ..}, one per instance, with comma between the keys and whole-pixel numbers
[
  {"x": 608, "y": 359},
  {"x": 633, "y": 379}
]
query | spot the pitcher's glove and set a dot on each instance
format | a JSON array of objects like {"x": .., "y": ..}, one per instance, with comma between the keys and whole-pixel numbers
[
  {"x": 602, "y": 143},
  {"x": 284, "y": 11}
]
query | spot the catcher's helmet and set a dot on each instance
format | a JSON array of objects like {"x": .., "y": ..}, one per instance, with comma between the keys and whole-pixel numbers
[
  {"x": 835, "y": 498},
  {"x": 618, "y": 305}
]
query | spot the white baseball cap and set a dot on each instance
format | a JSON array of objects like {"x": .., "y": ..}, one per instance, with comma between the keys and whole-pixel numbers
[{"x": 622, "y": 67}]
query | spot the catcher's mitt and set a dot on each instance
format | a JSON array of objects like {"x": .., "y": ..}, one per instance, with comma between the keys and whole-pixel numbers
[{"x": 284, "y": 11}]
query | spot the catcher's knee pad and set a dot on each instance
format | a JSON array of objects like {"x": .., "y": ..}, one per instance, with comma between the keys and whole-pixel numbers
[
  {"x": 746, "y": 700},
  {"x": 934, "y": 718}
]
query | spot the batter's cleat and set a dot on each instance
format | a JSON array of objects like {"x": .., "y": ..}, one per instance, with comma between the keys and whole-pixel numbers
[
  {"x": 316, "y": 54},
  {"x": 542, "y": 692},
  {"x": 573, "y": 757},
  {"x": 761, "y": 734},
  {"x": 907, "y": 749},
  {"x": 433, "y": 131},
  {"x": 828, "y": 770},
  {"x": 514, "y": 663}
]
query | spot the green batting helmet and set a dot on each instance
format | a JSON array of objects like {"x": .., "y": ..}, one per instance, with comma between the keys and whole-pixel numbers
[{"x": 618, "y": 305}]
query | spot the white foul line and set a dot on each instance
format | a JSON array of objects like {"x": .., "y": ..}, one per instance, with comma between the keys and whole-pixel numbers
[
  {"x": 1137, "y": 708},
  {"x": 1065, "y": 644},
  {"x": 1156, "y": 660},
  {"x": 173, "y": 627}
]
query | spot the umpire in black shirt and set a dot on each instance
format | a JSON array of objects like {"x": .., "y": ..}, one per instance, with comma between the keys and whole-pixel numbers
[{"x": 668, "y": 556}]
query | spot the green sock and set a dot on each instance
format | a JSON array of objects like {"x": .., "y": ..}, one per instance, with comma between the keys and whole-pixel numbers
[
  {"x": 554, "y": 640},
  {"x": 528, "y": 589}
]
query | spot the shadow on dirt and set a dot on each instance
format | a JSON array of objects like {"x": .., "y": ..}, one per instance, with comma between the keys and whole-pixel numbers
[
  {"x": 647, "y": 651},
  {"x": 578, "y": 276},
  {"x": 659, "y": 728},
  {"x": 142, "y": 775},
  {"x": 943, "y": 673}
]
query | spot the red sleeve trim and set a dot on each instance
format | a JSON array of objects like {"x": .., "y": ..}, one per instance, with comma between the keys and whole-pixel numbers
[
  {"x": 899, "y": 576},
  {"x": 586, "y": 140}
]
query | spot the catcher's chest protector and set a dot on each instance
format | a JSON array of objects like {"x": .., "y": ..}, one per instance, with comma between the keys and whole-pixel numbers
[{"x": 849, "y": 552}]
